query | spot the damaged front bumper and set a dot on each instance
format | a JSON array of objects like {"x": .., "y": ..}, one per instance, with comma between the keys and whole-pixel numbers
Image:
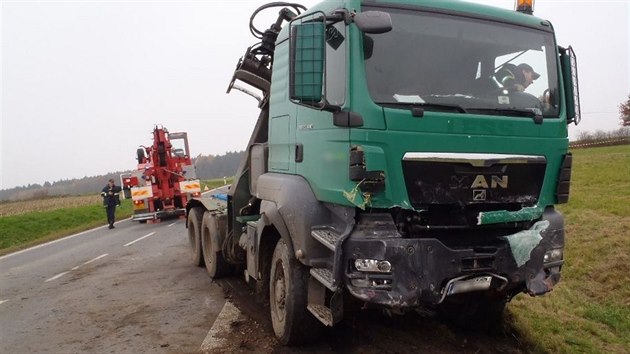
[{"x": 425, "y": 271}]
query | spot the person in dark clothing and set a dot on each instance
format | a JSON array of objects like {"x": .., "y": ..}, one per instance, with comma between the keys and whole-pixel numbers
[
  {"x": 517, "y": 78},
  {"x": 111, "y": 198}
]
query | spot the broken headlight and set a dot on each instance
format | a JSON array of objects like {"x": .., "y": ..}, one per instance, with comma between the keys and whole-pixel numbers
[
  {"x": 373, "y": 265},
  {"x": 553, "y": 255}
]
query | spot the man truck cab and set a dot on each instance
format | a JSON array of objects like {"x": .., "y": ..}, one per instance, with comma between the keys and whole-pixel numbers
[{"x": 391, "y": 163}]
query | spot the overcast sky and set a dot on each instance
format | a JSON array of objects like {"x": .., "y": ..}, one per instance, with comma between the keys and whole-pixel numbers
[{"x": 84, "y": 82}]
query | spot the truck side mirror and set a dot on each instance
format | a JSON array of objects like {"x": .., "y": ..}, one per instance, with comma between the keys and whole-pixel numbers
[
  {"x": 568, "y": 64},
  {"x": 373, "y": 22},
  {"x": 307, "y": 61}
]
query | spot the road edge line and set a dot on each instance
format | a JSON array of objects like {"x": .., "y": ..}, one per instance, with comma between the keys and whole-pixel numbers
[
  {"x": 229, "y": 313},
  {"x": 138, "y": 239},
  {"x": 57, "y": 240}
]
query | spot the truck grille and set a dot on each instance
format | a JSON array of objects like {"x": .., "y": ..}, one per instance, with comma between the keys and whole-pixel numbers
[{"x": 473, "y": 181}]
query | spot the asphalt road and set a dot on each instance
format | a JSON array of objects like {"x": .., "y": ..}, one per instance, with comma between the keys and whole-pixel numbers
[{"x": 132, "y": 289}]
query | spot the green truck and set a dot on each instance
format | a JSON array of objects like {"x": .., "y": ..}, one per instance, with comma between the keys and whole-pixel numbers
[{"x": 407, "y": 154}]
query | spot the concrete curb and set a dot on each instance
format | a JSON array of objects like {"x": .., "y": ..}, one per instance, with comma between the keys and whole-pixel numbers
[{"x": 229, "y": 313}]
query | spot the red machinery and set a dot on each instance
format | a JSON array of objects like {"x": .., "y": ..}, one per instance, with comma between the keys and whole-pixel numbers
[{"x": 165, "y": 178}]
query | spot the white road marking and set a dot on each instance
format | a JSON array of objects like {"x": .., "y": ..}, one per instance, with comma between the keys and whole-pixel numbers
[
  {"x": 171, "y": 224},
  {"x": 3, "y": 301},
  {"x": 96, "y": 259},
  {"x": 138, "y": 239},
  {"x": 57, "y": 276},
  {"x": 76, "y": 267},
  {"x": 229, "y": 313}
]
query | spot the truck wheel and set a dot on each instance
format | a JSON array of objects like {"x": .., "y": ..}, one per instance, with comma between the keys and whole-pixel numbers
[
  {"x": 194, "y": 235},
  {"x": 477, "y": 312},
  {"x": 216, "y": 265},
  {"x": 292, "y": 323}
]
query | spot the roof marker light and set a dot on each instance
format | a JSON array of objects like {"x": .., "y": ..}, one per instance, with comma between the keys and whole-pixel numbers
[{"x": 525, "y": 6}]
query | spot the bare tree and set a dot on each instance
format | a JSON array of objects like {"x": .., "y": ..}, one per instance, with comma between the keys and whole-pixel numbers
[
  {"x": 624, "y": 113},
  {"x": 585, "y": 136}
]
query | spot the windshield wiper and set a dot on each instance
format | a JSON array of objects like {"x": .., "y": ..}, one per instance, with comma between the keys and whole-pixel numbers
[
  {"x": 520, "y": 112},
  {"x": 417, "y": 109}
]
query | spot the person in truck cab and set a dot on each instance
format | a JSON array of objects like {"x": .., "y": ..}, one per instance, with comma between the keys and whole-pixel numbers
[
  {"x": 517, "y": 78},
  {"x": 525, "y": 76}
]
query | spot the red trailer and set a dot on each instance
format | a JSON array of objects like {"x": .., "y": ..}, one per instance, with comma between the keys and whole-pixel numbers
[{"x": 165, "y": 178}]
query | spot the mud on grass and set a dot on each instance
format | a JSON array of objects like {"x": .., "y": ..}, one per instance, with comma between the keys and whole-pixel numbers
[{"x": 361, "y": 331}]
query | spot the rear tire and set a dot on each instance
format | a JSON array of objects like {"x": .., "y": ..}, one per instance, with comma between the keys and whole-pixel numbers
[
  {"x": 194, "y": 235},
  {"x": 292, "y": 323},
  {"x": 216, "y": 265}
]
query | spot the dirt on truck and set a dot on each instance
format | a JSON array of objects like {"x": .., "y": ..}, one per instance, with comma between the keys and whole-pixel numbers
[{"x": 387, "y": 170}]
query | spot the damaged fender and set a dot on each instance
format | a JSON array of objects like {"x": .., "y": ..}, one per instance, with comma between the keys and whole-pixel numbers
[{"x": 523, "y": 243}]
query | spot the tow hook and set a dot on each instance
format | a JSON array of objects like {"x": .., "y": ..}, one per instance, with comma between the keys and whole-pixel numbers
[{"x": 467, "y": 283}]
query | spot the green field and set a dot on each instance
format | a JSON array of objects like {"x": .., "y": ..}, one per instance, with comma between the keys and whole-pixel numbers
[
  {"x": 589, "y": 310},
  {"x": 34, "y": 227}
]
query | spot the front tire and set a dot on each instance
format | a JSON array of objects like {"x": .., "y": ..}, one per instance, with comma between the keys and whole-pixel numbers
[
  {"x": 194, "y": 235},
  {"x": 292, "y": 323},
  {"x": 216, "y": 265}
]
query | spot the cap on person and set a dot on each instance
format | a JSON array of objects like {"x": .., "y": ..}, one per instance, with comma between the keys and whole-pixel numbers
[{"x": 524, "y": 66}]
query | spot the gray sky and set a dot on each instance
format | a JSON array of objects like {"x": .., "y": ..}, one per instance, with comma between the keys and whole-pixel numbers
[{"x": 84, "y": 82}]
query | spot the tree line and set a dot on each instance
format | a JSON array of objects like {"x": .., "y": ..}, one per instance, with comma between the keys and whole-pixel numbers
[
  {"x": 621, "y": 135},
  {"x": 206, "y": 166}
]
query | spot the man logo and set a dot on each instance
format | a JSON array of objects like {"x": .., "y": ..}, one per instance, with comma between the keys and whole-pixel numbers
[
  {"x": 495, "y": 182},
  {"x": 479, "y": 194}
]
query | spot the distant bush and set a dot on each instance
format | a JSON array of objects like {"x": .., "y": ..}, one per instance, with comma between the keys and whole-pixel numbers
[{"x": 601, "y": 138}]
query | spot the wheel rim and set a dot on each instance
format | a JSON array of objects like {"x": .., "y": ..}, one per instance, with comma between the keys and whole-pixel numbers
[{"x": 278, "y": 297}]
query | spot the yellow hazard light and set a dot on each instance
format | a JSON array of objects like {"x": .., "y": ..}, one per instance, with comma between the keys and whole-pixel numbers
[{"x": 525, "y": 6}]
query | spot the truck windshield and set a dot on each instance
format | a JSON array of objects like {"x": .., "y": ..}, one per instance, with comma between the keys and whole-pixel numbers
[
  {"x": 178, "y": 147},
  {"x": 462, "y": 65}
]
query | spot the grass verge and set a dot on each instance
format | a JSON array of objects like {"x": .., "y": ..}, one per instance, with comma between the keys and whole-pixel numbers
[
  {"x": 30, "y": 228},
  {"x": 214, "y": 183},
  {"x": 589, "y": 310}
]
